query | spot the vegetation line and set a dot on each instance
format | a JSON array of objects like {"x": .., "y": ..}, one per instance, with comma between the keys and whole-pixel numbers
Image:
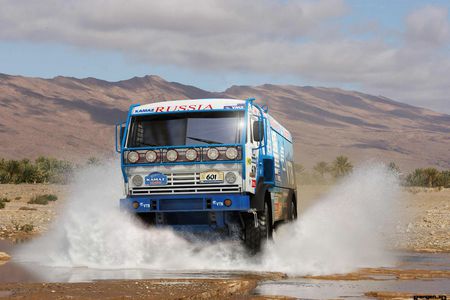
[
  {"x": 327, "y": 173},
  {"x": 52, "y": 170}
]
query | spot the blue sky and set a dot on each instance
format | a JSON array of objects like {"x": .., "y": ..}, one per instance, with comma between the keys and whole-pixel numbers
[{"x": 340, "y": 43}]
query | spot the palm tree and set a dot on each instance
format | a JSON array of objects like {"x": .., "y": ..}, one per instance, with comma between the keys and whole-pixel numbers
[
  {"x": 341, "y": 166},
  {"x": 321, "y": 168}
]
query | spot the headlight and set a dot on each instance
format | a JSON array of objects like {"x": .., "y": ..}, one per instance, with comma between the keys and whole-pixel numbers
[
  {"x": 230, "y": 177},
  {"x": 137, "y": 180},
  {"x": 212, "y": 153},
  {"x": 231, "y": 153},
  {"x": 133, "y": 156},
  {"x": 151, "y": 156},
  {"x": 172, "y": 155},
  {"x": 191, "y": 154}
]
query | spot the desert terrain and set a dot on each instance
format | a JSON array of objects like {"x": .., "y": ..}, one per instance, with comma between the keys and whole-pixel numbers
[{"x": 424, "y": 228}]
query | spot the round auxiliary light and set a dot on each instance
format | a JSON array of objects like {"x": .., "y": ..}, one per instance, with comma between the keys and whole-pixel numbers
[
  {"x": 133, "y": 156},
  {"x": 212, "y": 153},
  {"x": 172, "y": 155},
  {"x": 227, "y": 202},
  {"x": 137, "y": 180},
  {"x": 230, "y": 177},
  {"x": 135, "y": 205},
  {"x": 151, "y": 156},
  {"x": 191, "y": 154},
  {"x": 231, "y": 153}
]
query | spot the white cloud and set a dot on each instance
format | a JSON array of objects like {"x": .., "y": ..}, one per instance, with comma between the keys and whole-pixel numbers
[
  {"x": 429, "y": 26},
  {"x": 304, "y": 39}
]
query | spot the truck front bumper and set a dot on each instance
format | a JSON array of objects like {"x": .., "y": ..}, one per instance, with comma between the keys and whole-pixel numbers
[{"x": 186, "y": 203}]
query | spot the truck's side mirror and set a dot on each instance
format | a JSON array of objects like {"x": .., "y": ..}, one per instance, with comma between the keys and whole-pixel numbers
[
  {"x": 258, "y": 131},
  {"x": 120, "y": 131}
]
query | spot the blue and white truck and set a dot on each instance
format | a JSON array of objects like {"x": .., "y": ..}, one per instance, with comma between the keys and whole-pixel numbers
[{"x": 208, "y": 165}]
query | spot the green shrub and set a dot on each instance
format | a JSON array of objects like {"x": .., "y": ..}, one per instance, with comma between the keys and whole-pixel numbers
[
  {"x": 42, "y": 170},
  {"x": 27, "y": 208},
  {"x": 42, "y": 199},
  {"x": 3, "y": 201},
  {"x": 27, "y": 228},
  {"x": 51, "y": 197},
  {"x": 428, "y": 177}
]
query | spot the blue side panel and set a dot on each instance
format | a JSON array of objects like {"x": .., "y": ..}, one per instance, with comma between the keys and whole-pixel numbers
[
  {"x": 284, "y": 156},
  {"x": 280, "y": 203}
]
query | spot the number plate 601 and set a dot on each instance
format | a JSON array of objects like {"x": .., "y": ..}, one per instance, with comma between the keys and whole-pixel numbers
[{"x": 211, "y": 177}]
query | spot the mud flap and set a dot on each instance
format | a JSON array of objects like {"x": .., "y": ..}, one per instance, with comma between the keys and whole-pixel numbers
[
  {"x": 292, "y": 198},
  {"x": 257, "y": 201}
]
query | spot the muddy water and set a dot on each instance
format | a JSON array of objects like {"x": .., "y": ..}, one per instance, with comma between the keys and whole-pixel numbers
[
  {"x": 309, "y": 288},
  {"x": 385, "y": 282}
]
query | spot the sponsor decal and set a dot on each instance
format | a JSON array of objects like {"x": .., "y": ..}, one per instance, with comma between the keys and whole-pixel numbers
[
  {"x": 187, "y": 107},
  {"x": 156, "y": 178},
  {"x": 249, "y": 161},
  {"x": 217, "y": 203},
  {"x": 144, "y": 110},
  {"x": 253, "y": 183},
  {"x": 253, "y": 171},
  {"x": 237, "y": 106},
  {"x": 169, "y": 108}
]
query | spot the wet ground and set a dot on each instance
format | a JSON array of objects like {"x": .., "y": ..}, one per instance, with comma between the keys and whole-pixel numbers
[{"x": 415, "y": 274}]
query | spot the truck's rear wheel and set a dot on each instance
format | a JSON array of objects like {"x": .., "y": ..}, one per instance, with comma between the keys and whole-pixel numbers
[
  {"x": 293, "y": 210},
  {"x": 256, "y": 236}
]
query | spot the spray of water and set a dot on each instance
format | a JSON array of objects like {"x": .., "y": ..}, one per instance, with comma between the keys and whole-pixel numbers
[{"x": 342, "y": 232}]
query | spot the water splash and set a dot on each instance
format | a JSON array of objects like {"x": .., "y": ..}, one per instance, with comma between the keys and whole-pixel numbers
[{"x": 342, "y": 232}]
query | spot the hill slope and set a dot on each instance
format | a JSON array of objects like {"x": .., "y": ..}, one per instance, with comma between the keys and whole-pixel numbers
[{"x": 73, "y": 119}]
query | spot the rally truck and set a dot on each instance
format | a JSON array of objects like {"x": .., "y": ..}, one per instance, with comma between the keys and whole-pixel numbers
[{"x": 208, "y": 165}]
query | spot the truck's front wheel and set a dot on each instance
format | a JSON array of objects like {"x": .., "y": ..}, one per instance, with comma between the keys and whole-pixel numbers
[{"x": 256, "y": 236}]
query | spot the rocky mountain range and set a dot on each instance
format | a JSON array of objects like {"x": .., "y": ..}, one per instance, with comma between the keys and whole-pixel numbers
[{"x": 74, "y": 119}]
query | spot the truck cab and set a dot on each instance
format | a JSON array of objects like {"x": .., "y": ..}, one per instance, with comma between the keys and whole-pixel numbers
[{"x": 212, "y": 166}]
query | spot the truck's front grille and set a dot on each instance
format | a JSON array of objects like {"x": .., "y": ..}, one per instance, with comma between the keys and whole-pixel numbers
[{"x": 185, "y": 183}]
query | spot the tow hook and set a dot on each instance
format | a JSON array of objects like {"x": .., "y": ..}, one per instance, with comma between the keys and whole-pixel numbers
[{"x": 255, "y": 216}]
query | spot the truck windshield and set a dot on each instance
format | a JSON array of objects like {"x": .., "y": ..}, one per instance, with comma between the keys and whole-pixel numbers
[{"x": 193, "y": 128}]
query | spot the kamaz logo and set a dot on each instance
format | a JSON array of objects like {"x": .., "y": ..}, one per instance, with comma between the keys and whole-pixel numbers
[
  {"x": 142, "y": 110},
  {"x": 156, "y": 178}
]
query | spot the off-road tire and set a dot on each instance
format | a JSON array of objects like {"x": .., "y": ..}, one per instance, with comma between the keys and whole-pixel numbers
[
  {"x": 294, "y": 212},
  {"x": 255, "y": 237}
]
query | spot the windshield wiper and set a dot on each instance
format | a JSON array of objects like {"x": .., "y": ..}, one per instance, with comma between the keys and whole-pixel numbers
[{"x": 203, "y": 140}]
